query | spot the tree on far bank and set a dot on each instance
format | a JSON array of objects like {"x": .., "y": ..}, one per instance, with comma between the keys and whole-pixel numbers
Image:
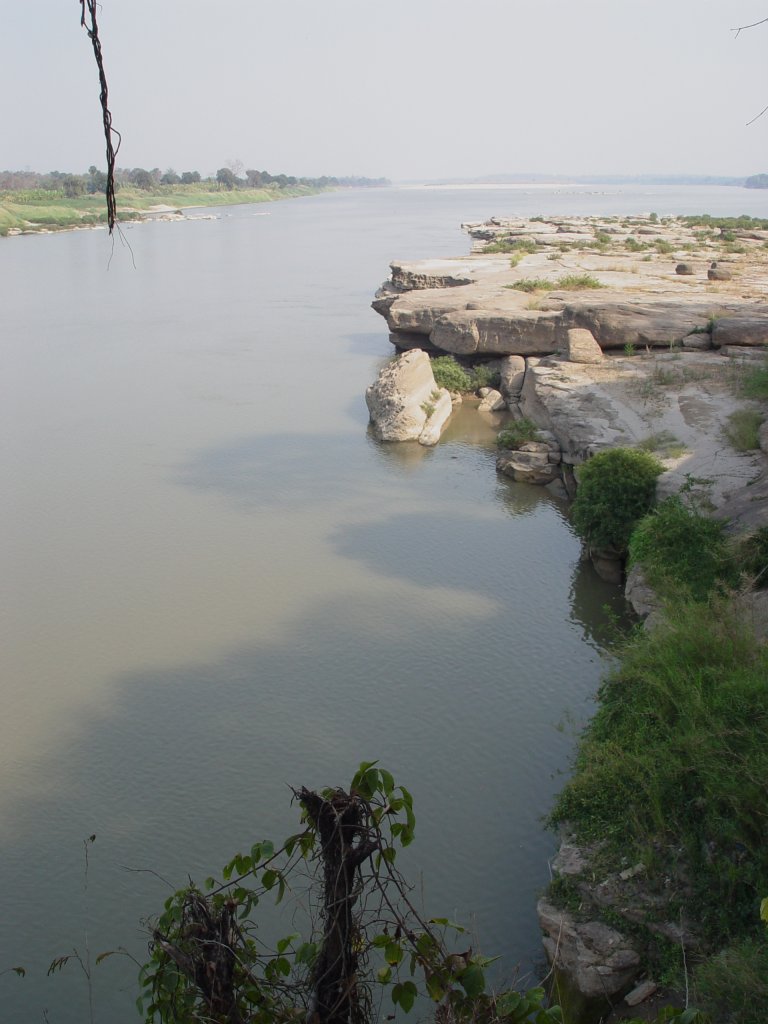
[{"x": 226, "y": 177}]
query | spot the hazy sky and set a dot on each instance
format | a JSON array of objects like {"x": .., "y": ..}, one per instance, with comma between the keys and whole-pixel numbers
[{"x": 408, "y": 89}]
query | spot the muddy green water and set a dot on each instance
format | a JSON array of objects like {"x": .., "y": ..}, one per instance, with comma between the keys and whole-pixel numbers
[{"x": 215, "y": 583}]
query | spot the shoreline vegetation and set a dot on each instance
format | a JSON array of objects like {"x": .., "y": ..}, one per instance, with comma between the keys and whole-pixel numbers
[
  {"x": 32, "y": 203},
  {"x": 659, "y": 892}
]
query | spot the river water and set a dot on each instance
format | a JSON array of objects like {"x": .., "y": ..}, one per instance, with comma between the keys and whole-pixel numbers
[{"x": 217, "y": 584}]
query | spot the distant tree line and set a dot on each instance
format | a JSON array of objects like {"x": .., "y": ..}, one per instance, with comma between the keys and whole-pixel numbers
[
  {"x": 230, "y": 177},
  {"x": 757, "y": 181}
]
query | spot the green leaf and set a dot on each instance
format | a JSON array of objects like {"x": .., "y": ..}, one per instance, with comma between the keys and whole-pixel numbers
[
  {"x": 393, "y": 953},
  {"x": 764, "y": 910},
  {"x": 408, "y": 995},
  {"x": 472, "y": 980},
  {"x": 447, "y": 923},
  {"x": 283, "y": 944},
  {"x": 384, "y": 974},
  {"x": 269, "y": 878},
  {"x": 283, "y": 966},
  {"x": 306, "y": 953},
  {"x": 387, "y": 782},
  {"x": 435, "y": 988},
  {"x": 267, "y": 848}
]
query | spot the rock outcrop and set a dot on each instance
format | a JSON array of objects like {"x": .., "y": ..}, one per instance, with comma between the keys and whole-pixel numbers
[
  {"x": 490, "y": 304},
  {"x": 405, "y": 403},
  {"x": 557, "y": 369},
  {"x": 600, "y": 962}
]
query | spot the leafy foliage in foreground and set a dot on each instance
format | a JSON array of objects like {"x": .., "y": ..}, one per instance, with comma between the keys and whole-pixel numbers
[{"x": 209, "y": 964}]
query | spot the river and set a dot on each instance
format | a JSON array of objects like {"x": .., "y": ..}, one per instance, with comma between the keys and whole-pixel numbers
[{"x": 217, "y": 584}]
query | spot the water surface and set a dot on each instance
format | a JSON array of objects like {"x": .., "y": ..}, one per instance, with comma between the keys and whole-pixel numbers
[{"x": 216, "y": 583}]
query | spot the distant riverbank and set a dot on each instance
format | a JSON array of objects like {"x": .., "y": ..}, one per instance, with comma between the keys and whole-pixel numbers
[{"x": 38, "y": 210}]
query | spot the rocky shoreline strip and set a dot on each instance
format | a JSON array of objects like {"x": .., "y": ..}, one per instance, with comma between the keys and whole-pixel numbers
[
  {"x": 600, "y": 343},
  {"x": 604, "y": 333}
]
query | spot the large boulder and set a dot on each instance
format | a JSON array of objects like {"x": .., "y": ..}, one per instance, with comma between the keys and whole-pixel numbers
[
  {"x": 512, "y": 372},
  {"x": 616, "y": 321},
  {"x": 750, "y": 328},
  {"x": 532, "y": 463},
  {"x": 599, "y": 961},
  {"x": 405, "y": 398},
  {"x": 581, "y": 347}
]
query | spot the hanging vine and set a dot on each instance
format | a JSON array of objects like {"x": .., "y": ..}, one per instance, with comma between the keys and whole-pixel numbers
[{"x": 91, "y": 26}]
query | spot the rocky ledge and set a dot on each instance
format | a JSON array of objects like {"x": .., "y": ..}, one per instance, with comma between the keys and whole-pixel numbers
[
  {"x": 603, "y": 333},
  {"x": 623, "y": 336},
  {"x": 652, "y": 284}
]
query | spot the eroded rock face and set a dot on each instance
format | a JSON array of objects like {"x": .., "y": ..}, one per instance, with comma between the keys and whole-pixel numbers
[
  {"x": 405, "y": 403},
  {"x": 433, "y": 274},
  {"x": 600, "y": 961},
  {"x": 518, "y": 332},
  {"x": 531, "y": 467},
  {"x": 492, "y": 401},
  {"x": 615, "y": 323},
  {"x": 563, "y": 398},
  {"x": 512, "y": 372},
  {"x": 741, "y": 330},
  {"x": 640, "y": 594},
  {"x": 581, "y": 347}
]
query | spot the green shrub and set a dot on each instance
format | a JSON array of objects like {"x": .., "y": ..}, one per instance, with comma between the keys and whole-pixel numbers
[
  {"x": 532, "y": 284},
  {"x": 616, "y": 489},
  {"x": 577, "y": 281},
  {"x": 679, "y": 547},
  {"x": 518, "y": 433},
  {"x": 633, "y": 245},
  {"x": 672, "y": 768},
  {"x": 570, "y": 282},
  {"x": 484, "y": 377},
  {"x": 733, "y": 986},
  {"x": 727, "y": 223},
  {"x": 513, "y": 245},
  {"x": 664, "y": 246},
  {"x": 755, "y": 382},
  {"x": 450, "y": 375},
  {"x": 743, "y": 428}
]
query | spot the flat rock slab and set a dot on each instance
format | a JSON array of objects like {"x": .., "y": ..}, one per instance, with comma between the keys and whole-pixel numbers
[
  {"x": 624, "y": 401},
  {"x": 643, "y": 301}
]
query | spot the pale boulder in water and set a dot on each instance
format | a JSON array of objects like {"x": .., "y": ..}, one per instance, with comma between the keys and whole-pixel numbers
[{"x": 405, "y": 403}]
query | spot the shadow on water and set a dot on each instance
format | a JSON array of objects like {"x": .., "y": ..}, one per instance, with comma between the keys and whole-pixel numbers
[
  {"x": 464, "y": 724},
  {"x": 455, "y": 680}
]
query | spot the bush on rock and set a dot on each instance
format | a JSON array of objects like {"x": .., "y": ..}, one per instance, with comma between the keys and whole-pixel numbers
[{"x": 616, "y": 489}]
